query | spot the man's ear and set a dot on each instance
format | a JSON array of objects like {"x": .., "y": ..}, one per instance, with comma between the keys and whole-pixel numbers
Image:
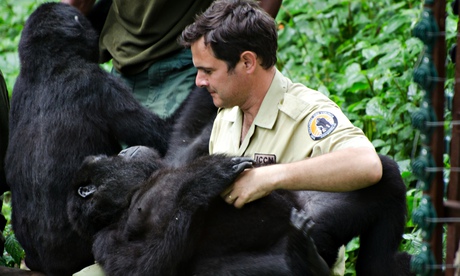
[{"x": 249, "y": 59}]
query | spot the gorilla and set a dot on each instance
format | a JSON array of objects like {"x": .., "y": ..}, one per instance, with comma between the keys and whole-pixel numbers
[
  {"x": 64, "y": 107},
  {"x": 148, "y": 217}
]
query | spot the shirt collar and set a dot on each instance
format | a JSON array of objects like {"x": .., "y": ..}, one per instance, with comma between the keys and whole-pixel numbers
[{"x": 266, "y": 117}]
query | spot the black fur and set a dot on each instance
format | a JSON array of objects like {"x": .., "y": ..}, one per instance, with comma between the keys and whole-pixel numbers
[
  {"x": 98, "y": 14},
  {"x": 64, "y": 108},
  {"x": 377, "y": 214},
  {"x": 177, "y": 224},
  {"x": 192, "y": 125}
]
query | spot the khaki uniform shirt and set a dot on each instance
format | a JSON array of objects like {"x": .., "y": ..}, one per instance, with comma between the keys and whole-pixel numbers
[{"x": 293, "y": 123}]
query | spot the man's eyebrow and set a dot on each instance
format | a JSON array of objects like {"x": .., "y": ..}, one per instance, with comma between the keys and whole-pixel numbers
[{"x": 204, "y": 68}]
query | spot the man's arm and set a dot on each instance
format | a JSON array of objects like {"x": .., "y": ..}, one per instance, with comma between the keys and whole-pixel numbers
[
  {"x": 83, "y": 5},
  {"x": 271, "y": 6},
  {"x": 339, "y": 171}
]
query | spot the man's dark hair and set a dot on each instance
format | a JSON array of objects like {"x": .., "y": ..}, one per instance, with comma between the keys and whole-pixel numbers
[{"x": 232, "y": 27}]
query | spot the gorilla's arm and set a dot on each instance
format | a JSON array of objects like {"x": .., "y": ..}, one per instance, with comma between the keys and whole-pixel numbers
[
  {"x": 129, "y": 120},
  {"x": 192, "y": 128},
  {"x": 98, "y": 14}
]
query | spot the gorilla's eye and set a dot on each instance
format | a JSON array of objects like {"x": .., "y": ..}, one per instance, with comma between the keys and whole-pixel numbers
[
  {"x": 78, "y": 20},
  {"x": 86, "y": 190}
]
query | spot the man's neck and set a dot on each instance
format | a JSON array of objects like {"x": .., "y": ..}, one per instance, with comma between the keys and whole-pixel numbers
[{"x": 253, "y": 104}]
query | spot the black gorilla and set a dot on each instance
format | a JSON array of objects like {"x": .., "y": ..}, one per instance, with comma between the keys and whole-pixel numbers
[
  {"x": 149, "y": 219},
  {"x": 175, "y": 223},
  {"x": 64, "y": 108}
]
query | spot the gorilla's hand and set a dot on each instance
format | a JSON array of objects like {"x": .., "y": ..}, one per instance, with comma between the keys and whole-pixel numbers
[
  {"x": 301, "y": 221},
  {"x": 242, "y": 163}
]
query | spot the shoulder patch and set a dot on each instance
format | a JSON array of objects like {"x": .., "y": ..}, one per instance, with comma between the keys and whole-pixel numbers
[{"x": 321, "y": 124}]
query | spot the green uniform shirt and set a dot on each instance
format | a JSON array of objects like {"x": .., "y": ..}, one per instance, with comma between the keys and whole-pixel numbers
[
  {"x": 293, "y": 123},
  {"x": 137, "y": 33}
]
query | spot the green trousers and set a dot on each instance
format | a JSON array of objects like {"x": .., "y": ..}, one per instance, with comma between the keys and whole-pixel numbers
[{"x": 165, "y": 84}]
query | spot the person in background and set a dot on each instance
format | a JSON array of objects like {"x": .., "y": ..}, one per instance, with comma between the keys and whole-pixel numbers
[
  {"x": 141, "y": 39},
  {"x": 304, "y": 136}
]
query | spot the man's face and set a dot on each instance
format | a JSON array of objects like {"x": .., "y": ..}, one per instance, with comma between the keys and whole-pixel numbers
[{"x": 226, "y": 88}]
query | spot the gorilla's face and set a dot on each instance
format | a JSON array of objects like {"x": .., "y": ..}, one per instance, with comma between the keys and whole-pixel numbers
[{"x": 104, "y": 185}]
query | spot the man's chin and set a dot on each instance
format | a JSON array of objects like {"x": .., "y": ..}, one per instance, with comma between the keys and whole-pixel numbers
[{"x": 217, "y": 102}]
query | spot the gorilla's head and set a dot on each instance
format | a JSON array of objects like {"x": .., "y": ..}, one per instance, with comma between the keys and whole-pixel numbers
[
  {"x": 57, "y": 31},
  {"x": 103, "y": 187}
]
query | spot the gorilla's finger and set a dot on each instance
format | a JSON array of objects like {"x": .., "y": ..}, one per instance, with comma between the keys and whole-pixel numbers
[{"x": 244, "y": 164}]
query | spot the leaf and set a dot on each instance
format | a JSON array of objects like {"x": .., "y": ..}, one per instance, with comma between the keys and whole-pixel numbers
[
  {"x": 377, "y": 143},
  {"x": 370, "y": 52},
  {"x": 374, "y": 108},
  {"x": 385, "y": 150},
  {"x": 13, "y": 247}
]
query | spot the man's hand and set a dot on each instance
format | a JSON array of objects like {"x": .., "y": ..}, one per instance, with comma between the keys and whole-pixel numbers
[
  {"x": 83, "y": 5},
  {"x": 251, "y": 185}
]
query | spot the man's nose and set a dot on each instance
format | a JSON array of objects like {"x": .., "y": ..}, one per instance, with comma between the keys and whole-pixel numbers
[{"x": 200, "y": 80}]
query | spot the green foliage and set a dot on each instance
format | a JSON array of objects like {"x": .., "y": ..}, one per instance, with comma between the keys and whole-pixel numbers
[
  {"x": 13, "y": 253},
  {"x": 360, "y": 53},
  {"x": 13, "y": 14}
]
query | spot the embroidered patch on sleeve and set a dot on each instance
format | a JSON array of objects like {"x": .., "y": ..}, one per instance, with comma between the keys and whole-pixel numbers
[{"x": 321, "y": 124}]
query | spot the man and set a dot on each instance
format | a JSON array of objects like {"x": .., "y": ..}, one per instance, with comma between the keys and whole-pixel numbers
[
  {"x": 141, "y": 39},
  {"x": 307, "y": 138}
]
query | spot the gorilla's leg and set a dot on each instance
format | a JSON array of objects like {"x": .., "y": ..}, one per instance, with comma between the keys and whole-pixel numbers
[
  {"x": 294, "y": 256},
  {"x": 376, "y": 214}
]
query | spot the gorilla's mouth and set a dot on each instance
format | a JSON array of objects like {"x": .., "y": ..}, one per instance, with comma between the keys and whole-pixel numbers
[{"x": 86, "y": 190}]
